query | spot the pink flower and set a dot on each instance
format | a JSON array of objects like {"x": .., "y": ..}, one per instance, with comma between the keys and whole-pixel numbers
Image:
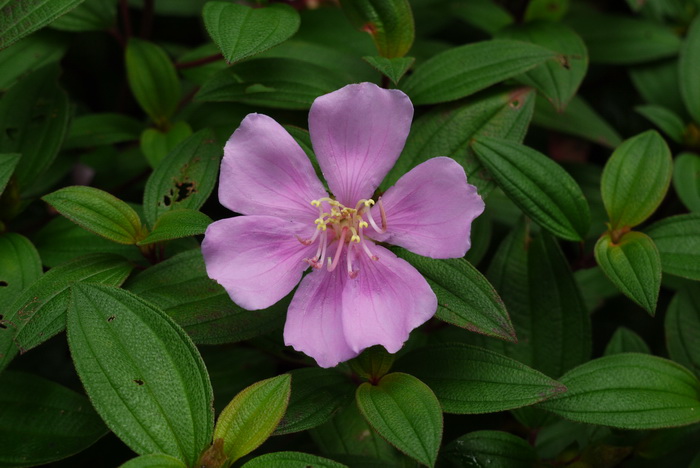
[{"x": 358, "y": 294}]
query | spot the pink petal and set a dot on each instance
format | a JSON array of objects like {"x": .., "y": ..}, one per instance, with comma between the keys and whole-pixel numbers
[
  {"x": 386, "y": 300},
  {"x": 257, "y": 259},
  {"x": 314, "y": 320},
  {"x": 265, "y": 172},
  {"x": 358, "y": 133},
  {"x": 430, "y": 210}
]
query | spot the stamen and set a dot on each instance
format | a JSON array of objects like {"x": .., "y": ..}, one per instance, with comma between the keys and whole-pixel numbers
[
  {"x": 339, "y": 250},
  {"x": 365, "y": 248},
  {"x": 351, "y": 256},
  {"x": 355, "y": 238},
  {"x": 324, "y": 243}
]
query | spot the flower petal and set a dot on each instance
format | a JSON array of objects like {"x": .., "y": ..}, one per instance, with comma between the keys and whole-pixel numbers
[
  {"x": 430, "y": 210},
  {"x": 358, "y": 133},
  {"x": 265, "y": 172},
  {"x": 257, "y": 259},
  {"x": 314, "y": 320},
  {"x": 386, "y": 300}
]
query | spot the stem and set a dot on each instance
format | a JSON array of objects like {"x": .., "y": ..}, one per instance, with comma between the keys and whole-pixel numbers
[
  {"x": 147, "y": 18},
  {"x": 198, "y": 62},
  {"x": 124, "y": 7}
]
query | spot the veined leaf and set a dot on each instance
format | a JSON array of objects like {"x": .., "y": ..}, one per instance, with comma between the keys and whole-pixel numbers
[
  {"x": 20, "y": 266},
  {"x": 389, "y": 22},
  {"x": 28, "y": 55},
  {"x": 682, "y": 326},
  {"x": 291, "y": 460},
  {"x": 678, "y": 241},
  {"x": 625, "y": 340},
  {"x": 156, "y": 460},
  {"x": 156, "y": 144},
  {"x": 688, "y": 65},
  {"x": 177, "y": 224},
  {"x": 102, "y": 129},
  {"x": 8, "y": 162},
  {"x": 495, "y": 448},
  {"x": 18, "y": 18},
  {"x": 393, "y": 68},
  {"x": 686, "y": 180},
  {"x": 667, "y": 121}
]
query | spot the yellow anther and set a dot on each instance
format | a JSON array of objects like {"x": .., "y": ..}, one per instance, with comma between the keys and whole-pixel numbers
[
  {"x": 316, "y": 203},
  {"x": 355, "y": 238},
  {"x": 363, "y": 224}
]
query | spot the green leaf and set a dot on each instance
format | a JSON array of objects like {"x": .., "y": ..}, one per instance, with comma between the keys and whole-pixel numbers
[
  {"x": 20, "y": 266},
  {"x": 465, "y": 297},
  {"x": 317, "y": 394},
  {"x": 34, "y": 117},
  {"x": 28, "y": 55},
  {"x": 373, "y": 363},
  {"x": 464, "y": 70},
  {"x": 152, "y": 79},
  {"x": 92, "y": 15},
  {"x": 471, "y": 380},
  {"x": 678, "y": 241},
  {"x": 447, "y": 131},
  {"x": 404, "y": 411},
  {"x": 622, "y": 40},
  {"x": 43, "y": 421},
  {"x": 291, "y": 460},
  {"x": 97, "y": 211},
  {"x": 633, "y": 265},
  {"x": 686, "y": 180},
  {"x": 667, "y": 121},
  {"x": 636, "y": 178},
  {"x": 625, "y": 340},
  {"x": 285, "y": 83},
  {"x": 556, "y": 82},
  {"x": 19, "y": 18},
  {"x": 177, "y": 224},
  {"x": 549, "y": 10},
  {"x": 682, "y": 326},
  {"x": 657, "y": 83},
  {"x": 595, "y": 287},
  {"x": 252, "y": 416},
  {"x": 538, "y": 185},
  {"x": 102, "y": 129},
  {"x": 156, "y": 460},
  {"x": 38, "y": 313},
  {"x": 8, "y": 162},
  {"x": 393, "y": 68},
  {"x": 629, "y": 391},
  {"x": 241, "y": 31},
  {"x": 185, "y": 178},
  {"x": 180, "y": 286},
  {"x": 143, "y": 375},
  {"x": 688, "y": 67},
  {"x": 156, "y": 144},
  {"x": 485, "y": 15},
  {"x": 490, "y": 448},
  {"x": 579, "y": 119},
  {"x": 389, "y": 22}
]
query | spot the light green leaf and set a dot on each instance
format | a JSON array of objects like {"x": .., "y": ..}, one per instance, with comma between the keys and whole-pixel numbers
[
  {"x": 466, "y": 69},
  {"x": 252, "y": 416},
  {"x": 678, "y": 241},
  {"x": 682, "y": 326},
  {"x": 152, "y": 79},
  {"x": 629, "y": 391},
  {"x": 137, "y": 365},
  {"x": 177, "y": 224},
  {"x": 389, "y": 22},
  {"x": 8, "y": 162},
  {"x": 686, "y": 180},
  {"x": 28, "y": 55},
  {"x": 625, "y": 340},
  {"x": 102, "y": 129},
  {"x": 291, "y": 460},
  {"x": 20, "y": 266},
  {"x": 689, "y": 68},
  {"x": 636, "y": 179},
  {"x": 393, "y": 68},
  {"x": 490, "y": 448},
  {"x": 404, "y": 411},
  {"x": 19, "y": 18},
  {"x": 465, "y": 297},
  {"x": 471, "y": 380},
  {"x": 156, "y": 144},
  {"x": 43, "y": 421},
  {"x": 667, "y": 121},
  {"x": 633, "y": 265},
  {"x": 156, "y": 460},
  {"x": 37, "y": 313},
  {"x": 99, "y": 212},
  {"x": 241, "y": 31}
]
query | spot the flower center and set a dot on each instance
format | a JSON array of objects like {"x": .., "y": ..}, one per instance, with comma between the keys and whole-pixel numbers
[{"x": 337, "y": 222}]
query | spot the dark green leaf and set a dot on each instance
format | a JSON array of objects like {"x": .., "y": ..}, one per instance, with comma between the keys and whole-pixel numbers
[
  {"x": 185, "y": 178},
  {"x": 688, "y": 66},
  {"x": 20, "y": 266},
  {"x": 373, "y": 363},
  {"x": 636, "y": 178},
  {"x": 579, "y": 119},
  {"x": 92, "y": 15},
  {"x": 686, "y": 180},
  {"x": 404, "y": 411},
  {"x": 682, "y": 327},
  {"x": 241, "y": 31},
  {"x": 549, "y": 10},
  {"x": 389, "y": 22},
  {"x": 38, "y": 313},
  {"x": 99, "y": 212},
  {"x": 678, "y": 241},
  {"x": 464, "y": 70},
  {"x": 177, "y": 224},
  {"x": 156, "y": 460},
  {"x": 556, "y": 82},
  {"x": 486, "y": 15},
  {"x": 180, "y": 286},
  {"x": 317, "y": 394},
  {"x": 471, "y": 380},
  {"x": 41, "y": 421},
  {"x": 595, "y": 287},
  {"x": 490, "y": 448},
  {"x": 291, "y": 460},
  {"x": 28, "y": 55},
  {"x": 142, "y": 373},
  {"x": 102, "y": 129},
  {"x": 625, "y": 340},
  {"x": 629, "y": 391},
  {"x": 252, "y": 415},
  {"x": 393, "y": 68},
  {"x": 465, "y": 297},
  {"x": 538, "y": 185},
  {"x": 8, "y": 162},
  {"x": 633, "y": 265},
  {"x": 667, "y": 121},
  {"x": 153, "y": 79},
  {"x": 156, "y": 144},
  {"x": 19, "y": 18},
  {"x": 657, "y": 82}
]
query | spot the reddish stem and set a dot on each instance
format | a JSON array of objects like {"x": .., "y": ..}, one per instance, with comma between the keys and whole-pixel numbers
[
  {"x": 198, "y": 62},
  {"x": 124, "y": 6},
  {"x": 147, "y": 18}
]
